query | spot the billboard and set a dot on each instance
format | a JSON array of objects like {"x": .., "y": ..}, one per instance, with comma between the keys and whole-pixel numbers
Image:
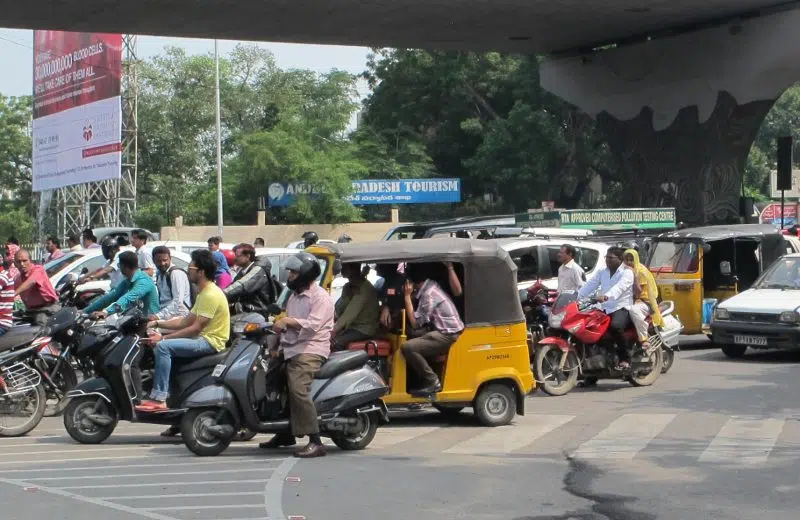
[
  {"x": 77, "y": 112},
  {"x": 376, "y": 191},
  {"x": 772, "y": 215},
  {"x": 600, "y": 219}
]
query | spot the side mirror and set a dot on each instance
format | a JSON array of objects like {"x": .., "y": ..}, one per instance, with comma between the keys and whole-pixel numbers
[
  {"x": 706, "y": 248},
  {"x": 725, "y": 268},
  {"x": 85, "y": 270},
  {"x": 337, "y": 267}
]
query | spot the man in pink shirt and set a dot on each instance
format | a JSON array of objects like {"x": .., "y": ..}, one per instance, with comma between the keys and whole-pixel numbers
[
  {"x": 35, "y": 289},
  {"x": 306, "y": 341}
]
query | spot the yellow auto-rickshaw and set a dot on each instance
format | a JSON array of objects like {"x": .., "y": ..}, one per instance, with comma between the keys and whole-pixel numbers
[
  {"x": 488, "y": 367},
  {"x": 697, "y": 268}
]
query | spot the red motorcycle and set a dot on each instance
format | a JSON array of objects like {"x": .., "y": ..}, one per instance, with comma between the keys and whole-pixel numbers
[{"x": 574, "y": 351}]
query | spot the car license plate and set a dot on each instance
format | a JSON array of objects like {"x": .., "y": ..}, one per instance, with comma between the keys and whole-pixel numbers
[
  {"x": 218, "y": 370},
  {"x": 750, "y": 340}
]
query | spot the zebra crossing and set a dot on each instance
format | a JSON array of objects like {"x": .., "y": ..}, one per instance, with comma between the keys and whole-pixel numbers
[{"x": 731, "y": 440}]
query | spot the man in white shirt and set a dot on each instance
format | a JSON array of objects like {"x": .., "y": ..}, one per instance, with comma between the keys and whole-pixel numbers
[
  {"x": 146, "y": 263},
  {"x": 570, "y": 275},
  {"x": 616, "y": 292}
]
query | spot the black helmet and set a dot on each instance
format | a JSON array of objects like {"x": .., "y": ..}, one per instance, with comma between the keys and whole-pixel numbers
[
  {"x": 309, "y": 238},
  {"x": 109, "y": 245},
  {"x": 307, "y": 267},
  {"x": 345, "y": 238}
]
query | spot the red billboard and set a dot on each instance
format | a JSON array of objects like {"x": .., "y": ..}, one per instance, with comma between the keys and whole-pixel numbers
[{"x": 77, "y": 110}]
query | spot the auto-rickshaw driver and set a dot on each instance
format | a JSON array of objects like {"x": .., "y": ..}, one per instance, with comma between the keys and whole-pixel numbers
[{"x": 487, "y": 367}]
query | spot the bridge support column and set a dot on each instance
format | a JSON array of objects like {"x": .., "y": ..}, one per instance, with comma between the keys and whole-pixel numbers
[{"x": 697, "y": 167}]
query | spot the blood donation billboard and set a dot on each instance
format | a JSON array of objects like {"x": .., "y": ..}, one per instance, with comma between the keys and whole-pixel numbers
[{"x": 77, "y": 111}]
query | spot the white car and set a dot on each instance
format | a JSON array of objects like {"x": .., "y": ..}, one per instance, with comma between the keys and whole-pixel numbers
[
  {"x": 537, "y": 258},
  {"x": 92, "y": 260},
  {"x": 186, "y": 246},
  {"x": 766, "y": 316}
]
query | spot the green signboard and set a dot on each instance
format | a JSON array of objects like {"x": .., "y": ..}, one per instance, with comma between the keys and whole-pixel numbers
[{"x": 628, "y": 218}]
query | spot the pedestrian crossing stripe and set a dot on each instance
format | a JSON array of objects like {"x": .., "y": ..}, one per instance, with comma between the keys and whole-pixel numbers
[{"x": 737, "y": 442}]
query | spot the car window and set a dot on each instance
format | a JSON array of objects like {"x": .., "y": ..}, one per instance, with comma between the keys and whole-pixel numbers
[
  {"x": 587, "y": 258},
  {"x": 54, "y": 267},
  {"x": 91, "y": 264}
]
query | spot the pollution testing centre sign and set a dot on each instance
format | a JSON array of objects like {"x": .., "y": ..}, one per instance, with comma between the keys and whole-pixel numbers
[
  {"x": 378, "y": 191},
  {"x": 77, "y": 110}
]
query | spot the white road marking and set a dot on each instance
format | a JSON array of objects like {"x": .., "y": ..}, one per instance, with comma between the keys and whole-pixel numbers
[
  {"x": 82, "y": 449},
  {"x": 273, "y": 490},
  {"x": 106, "y": 476},
  {"x": 389, "y": 436},
  {"x": 744, "y": 441},
  {"x": 187, "y": 495},
  {"x": 164, "y": 484},
  {"x": 216, "y": 461},
  {"x": 625, "y": 437},
  {"x": 215, "y": 506},
  {"x": 505, "y": 439}
]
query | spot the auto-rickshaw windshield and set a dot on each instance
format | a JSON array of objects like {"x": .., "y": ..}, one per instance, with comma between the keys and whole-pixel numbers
[
  {"x": 783, "y": 274},
  {"x": 674, "y": 257}
]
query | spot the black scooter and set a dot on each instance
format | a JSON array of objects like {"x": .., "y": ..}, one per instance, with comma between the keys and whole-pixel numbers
[
  {"x": 98, "y": 404},
  {"x": 248, "y": 389}
]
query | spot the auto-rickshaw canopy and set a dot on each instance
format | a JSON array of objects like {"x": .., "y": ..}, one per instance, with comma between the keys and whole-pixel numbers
[{"x": 490, "y": 275}]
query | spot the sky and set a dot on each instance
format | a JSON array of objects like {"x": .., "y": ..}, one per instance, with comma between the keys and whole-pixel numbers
[{"x": 16, "y": 57}]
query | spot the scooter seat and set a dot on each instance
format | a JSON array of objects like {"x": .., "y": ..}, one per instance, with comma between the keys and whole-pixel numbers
[
  {"x": 18, "y": 336},
  {"x": 342, "y": 362},
  {"x": 200, "y": 363}
]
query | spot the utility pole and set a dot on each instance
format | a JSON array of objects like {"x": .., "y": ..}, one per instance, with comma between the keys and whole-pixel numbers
[{"x": 219, "y": 146}]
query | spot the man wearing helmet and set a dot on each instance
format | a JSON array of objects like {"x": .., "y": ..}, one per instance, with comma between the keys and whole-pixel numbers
[
  {"x": 110, "y": 247},
  {"x": 345, "y": 239},
  {"x": 305, "y": 338},
  {"x": 309, "y": 239}
]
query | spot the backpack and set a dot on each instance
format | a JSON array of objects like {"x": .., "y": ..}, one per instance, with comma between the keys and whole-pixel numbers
[{"x": 193, "y": 289}]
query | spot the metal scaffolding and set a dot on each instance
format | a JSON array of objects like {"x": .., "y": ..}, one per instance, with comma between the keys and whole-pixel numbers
[{"x": 113, "y": 202}]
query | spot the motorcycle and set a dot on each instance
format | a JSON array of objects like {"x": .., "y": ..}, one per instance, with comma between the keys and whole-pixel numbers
[
  {"x": 574, "y": 351},
  {"x": 537, "y": 300},
  {"x": 123, "y": 376},
  {"x": 22, "y": 393},
  {"x": 248, "y": 389}
]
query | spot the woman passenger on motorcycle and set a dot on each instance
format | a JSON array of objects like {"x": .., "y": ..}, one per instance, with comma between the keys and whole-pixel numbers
[{"x": 645, "y": 294}]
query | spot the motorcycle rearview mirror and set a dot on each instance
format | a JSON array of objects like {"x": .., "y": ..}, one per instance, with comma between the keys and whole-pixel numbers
[{"x": 85, "y": 270}]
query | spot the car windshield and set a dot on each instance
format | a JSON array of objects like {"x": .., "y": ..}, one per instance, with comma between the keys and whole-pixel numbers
[
  {"x": 54, "y": 267},
  {"x": 674, "y": 257},
  {"x": 784, "y": 274}
]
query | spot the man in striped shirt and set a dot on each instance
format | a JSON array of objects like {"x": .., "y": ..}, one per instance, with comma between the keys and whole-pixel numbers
[
  {"x": 7, "y": 296},
  {"x": 441, "y": 325}
]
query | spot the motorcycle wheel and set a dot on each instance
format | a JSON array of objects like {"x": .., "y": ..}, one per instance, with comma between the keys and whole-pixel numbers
[
  {"x": 669, "y": 359},
  {"x": 195, "y": 435},
  {"x": 65, "y": 379},
  {"x": 80, "y": 428},
  {"x": 655, "y": 371},
  {"x": 360, "y": 440},
  {"x": 40, "y": 398},
  {"x": 552, "y": 380}
]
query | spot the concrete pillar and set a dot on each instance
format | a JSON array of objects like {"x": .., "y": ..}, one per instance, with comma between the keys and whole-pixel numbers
[
  {"x": 695, "y": 166},
  {"x": 261, "y": 218},
  {"x": 395, "y": 215}
]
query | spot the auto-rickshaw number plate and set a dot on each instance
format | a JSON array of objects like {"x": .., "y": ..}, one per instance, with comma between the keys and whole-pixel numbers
[
  {"x": 750, "y": 340},
  {"x": 218, "y": 370}
]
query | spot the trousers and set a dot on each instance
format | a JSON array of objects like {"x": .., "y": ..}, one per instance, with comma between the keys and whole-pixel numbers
[
  {"x": 431, "y": 344},
  {"x": 300, "y": 372},
  {"x": 619, "y": 322},
  {"x": 639, "y": 312}
]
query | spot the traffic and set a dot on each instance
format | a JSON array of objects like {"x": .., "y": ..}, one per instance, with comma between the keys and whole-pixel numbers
[{"x": 220, "y": 342}]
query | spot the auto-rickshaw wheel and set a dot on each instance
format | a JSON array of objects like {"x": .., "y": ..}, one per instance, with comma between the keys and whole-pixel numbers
[
  {"x": 495, "y": 405},
  {"x": 734, "y": 351}
]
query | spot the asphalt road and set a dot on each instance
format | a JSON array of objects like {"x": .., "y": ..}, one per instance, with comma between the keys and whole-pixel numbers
[{"x": 712, "y": 439}]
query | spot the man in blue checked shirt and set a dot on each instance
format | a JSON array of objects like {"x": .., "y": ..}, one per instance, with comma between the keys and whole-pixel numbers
[{"x": 137, "y": 286}]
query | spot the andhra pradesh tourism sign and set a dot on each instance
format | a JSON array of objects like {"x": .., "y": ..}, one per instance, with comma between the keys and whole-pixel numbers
[
  {"x": 375, "y": 191},
  {"x": 628, "y": 218}
]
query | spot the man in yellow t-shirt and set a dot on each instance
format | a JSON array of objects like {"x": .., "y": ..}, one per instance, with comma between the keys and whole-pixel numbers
[{"x": 204, "y": 331}]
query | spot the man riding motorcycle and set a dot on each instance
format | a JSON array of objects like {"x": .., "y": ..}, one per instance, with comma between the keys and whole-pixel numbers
[
  {"x": 137, "y": 286},
  {"x": 253, "y": 289},
  {"x": 616, "y": 287}
]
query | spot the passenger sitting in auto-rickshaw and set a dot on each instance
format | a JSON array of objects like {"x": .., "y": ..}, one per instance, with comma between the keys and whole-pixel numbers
[
  {"x": 436, "y": 325},
  {"x": 358, "y": 311}
]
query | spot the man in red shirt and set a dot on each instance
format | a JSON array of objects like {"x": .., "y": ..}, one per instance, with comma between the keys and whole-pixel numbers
[{"x": 35, "y": 289}]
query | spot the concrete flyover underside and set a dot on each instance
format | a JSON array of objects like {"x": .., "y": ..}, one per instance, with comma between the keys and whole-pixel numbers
[{"x": 681, "y": 106}]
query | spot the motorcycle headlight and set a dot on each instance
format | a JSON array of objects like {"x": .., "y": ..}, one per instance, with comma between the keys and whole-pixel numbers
[
  {"x": 721, "y": 314},
  {"x": 789, "y": 317},
  {"x": 555, "y": 320}
]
